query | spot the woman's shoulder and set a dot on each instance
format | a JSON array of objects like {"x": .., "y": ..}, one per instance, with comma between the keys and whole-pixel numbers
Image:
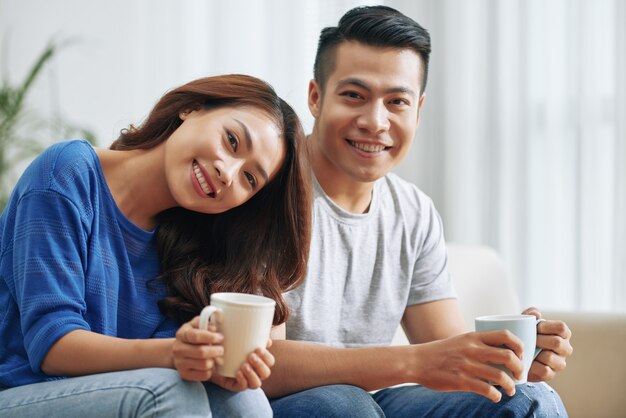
[
  {"x": 71, "y": 153},
  {"x": 63, "y": 166}
]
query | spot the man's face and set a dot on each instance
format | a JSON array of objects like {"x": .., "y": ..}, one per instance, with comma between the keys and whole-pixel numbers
[{"x": 368, "y": 113}]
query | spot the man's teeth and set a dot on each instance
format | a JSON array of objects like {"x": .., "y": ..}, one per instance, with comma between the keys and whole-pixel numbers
[
  {"x": 367, "y": 147},
  {"x": 201, "y": 179}
]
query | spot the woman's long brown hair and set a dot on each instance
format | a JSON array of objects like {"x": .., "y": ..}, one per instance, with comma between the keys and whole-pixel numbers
[{"x": 260, "y": 247}]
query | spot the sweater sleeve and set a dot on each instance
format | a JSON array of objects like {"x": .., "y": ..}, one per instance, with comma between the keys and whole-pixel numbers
[{"x": 50, "y": 247}]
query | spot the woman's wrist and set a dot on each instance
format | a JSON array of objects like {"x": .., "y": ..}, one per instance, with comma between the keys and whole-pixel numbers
[{"x": 157, "y": 352}]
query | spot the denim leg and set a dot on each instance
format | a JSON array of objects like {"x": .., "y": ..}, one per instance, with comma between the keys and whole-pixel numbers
[
  {"x": 335, "y": 401},
  {"x": 530, "y": 400},
  {"x": 134, "y": 393},
  {"x": 227, "y": 404}
]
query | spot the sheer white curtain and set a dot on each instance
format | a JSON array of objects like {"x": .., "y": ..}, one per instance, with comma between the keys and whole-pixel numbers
[
  {"x": 523, "y": 142},
  {"x": 522, "y": 137}
]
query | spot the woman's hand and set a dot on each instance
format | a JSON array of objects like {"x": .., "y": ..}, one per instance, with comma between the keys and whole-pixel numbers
[
  {"x": 251, "y": 373},
  {"x": 195, "y": 351}
]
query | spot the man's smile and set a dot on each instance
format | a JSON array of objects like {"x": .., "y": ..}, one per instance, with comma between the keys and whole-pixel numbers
[{"x": 367, "y": 147}]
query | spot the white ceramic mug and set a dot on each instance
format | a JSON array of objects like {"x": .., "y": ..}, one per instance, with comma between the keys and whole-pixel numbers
[
  {"x": 524, "y": 327},
  {"x": 244, "y": 320}
]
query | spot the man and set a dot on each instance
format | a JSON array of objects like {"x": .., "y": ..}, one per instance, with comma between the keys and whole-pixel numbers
[{"x": 378, "y": 257}]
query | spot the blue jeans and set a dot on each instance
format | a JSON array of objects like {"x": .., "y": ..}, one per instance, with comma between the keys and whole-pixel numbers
[
  {"x": 135, "y": 393},
  {"x": 531, "y": 400}
]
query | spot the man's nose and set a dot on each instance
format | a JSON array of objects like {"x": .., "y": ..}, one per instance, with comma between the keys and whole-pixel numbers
[{"x": 375, "y": 118}]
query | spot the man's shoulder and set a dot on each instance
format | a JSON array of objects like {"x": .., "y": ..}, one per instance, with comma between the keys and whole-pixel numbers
[{"x": 404, "y": 191}]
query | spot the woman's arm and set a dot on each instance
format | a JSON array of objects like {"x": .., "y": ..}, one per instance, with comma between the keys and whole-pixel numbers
[
  {"x": 194, "y": 353},
  {"x": 82, "y": 352}
]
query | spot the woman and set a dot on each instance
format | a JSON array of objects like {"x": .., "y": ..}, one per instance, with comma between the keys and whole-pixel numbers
[{"x": 105, "y": 253}]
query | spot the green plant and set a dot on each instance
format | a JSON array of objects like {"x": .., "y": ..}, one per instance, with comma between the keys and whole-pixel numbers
[{"x": 21, "y": 131}]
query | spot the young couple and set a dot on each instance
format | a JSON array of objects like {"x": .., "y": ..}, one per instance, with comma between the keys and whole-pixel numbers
[{"x": 108, "y": 256}]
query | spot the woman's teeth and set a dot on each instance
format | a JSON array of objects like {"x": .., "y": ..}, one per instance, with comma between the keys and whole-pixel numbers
[
  {"x": 201, "y": 179},
  {"x": 367, "y": 147}
]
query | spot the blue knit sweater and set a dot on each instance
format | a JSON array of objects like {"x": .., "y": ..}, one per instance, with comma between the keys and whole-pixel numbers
[{"x": 69, "y": 259}]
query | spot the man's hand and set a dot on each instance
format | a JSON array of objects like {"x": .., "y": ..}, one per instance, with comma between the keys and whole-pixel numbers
[
  {"x": 461, "y": 363},
  {"x": 553, "y": 337}
]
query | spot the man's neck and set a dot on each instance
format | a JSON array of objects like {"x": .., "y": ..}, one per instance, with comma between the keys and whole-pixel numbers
[{"x": 348, "y": 193}]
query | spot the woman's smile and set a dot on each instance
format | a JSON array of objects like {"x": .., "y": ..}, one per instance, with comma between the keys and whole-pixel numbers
[{"x": 201, "y": 181}]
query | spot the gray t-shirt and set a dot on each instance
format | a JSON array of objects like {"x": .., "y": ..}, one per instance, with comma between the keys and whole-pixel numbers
[{"x": 365, "y": 269}]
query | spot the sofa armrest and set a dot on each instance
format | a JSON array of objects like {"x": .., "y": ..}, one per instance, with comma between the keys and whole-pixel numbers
[{"x": 592, "y": 385}]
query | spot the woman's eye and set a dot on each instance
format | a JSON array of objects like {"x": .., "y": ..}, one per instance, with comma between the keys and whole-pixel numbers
[
  {"x": 232, "y": 140},
  {"x": 250, "y": 179}
]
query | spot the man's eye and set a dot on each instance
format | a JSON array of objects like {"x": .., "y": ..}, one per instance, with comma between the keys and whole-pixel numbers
[
  {"x": 232, "y": 140},
  {"x": 400, "y": 102},
  {"x": 250, "y": 179},
  {"x": 352, "y": 95}
]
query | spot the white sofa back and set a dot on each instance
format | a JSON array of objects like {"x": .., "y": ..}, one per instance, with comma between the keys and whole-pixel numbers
[{"x": 482, "y": 282}]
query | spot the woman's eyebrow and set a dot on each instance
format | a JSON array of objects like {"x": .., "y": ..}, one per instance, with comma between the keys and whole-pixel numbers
[{"x": 248, "y": 140}]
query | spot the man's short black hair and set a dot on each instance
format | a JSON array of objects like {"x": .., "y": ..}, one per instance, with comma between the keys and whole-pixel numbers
[{"x": 379, "y": 26}]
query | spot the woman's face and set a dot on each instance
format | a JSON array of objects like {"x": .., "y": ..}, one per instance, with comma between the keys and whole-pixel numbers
[{"x": 218, "y": 159}]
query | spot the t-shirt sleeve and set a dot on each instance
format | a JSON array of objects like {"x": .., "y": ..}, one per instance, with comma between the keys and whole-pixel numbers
[
  {"x": 431, "y": 280},
  {"x": 48, "y": 270}
]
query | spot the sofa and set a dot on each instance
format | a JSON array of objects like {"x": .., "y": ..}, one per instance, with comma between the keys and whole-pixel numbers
[{"x": 592, "y": 385}]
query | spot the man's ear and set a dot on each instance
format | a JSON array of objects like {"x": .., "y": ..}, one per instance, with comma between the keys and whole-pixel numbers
[
  {"x": 315, "y": 98},
  {"x": 419, "y": 106},
  {"x": 421, "y": 101}
]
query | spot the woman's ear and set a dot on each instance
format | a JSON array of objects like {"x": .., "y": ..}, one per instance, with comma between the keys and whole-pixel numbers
[{"x": 184, "y": 114}]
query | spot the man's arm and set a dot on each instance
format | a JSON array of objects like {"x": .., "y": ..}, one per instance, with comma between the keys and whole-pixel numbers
[
  {"x": 433, "y": 321},
  {"x": 457, "y": 363},
  {"x": 302, "y": 365}
]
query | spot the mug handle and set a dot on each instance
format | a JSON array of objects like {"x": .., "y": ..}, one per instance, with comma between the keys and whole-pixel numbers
[
  {"x": 207, "y": 316},
  {"x": 537, "y": 349}
]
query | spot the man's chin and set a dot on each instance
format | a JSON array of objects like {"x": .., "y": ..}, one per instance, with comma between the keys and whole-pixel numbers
[{"x": 369, "y": 176}]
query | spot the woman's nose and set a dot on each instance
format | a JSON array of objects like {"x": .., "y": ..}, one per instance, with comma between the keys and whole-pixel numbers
[{"x": 227, "y": 171}]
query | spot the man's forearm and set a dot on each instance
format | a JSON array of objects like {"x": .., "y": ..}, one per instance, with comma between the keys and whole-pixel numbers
[{"x": 301, "y": 366}]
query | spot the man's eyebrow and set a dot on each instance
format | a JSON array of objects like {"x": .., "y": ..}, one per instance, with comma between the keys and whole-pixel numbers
[
  {"x": 360, "y": 83},
  {"x": 248, "y": 139},
  {"x": 354, "y": 82}
]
